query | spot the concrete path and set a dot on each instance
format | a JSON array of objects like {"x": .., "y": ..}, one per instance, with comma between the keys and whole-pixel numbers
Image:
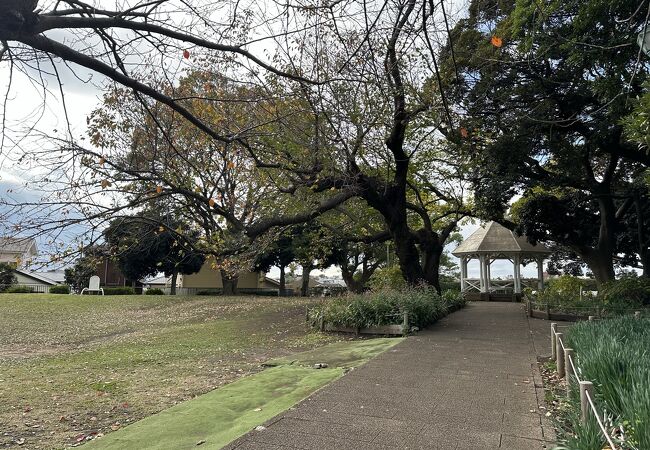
[{"x": 468, "y": 382}]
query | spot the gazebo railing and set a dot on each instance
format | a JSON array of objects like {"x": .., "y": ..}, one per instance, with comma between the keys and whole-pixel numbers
[
  {"x": 472, "y": 284},
  {"x": 500, "y": 286}
]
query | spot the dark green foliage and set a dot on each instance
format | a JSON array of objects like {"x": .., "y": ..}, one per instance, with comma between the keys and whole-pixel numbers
[
  {"x": 7, "y": 276},
  {"x": 60, "y": 289},
  {"x": 613, "y": 354},
  {"x": 631, "y": 291},
  {"x": 19, "y": 290},
  {"x": 424, "y": 307},
  {"x": 572, "y": 295},
  {"x": 209, "y": 292},
  {"x": 85, "y": 267},
  {"x": 542, "y": 118},
  {"x": 154, "y": 291},
  {"x": 146, "y": 245},
  {"x": 121, "y": 290},
  {"x": 450, "y": 285}
]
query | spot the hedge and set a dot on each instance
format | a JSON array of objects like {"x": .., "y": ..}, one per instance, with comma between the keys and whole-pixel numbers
[
  {"x": 19, "y": 290},
  {"x": 424, "y": 307},
  {"x": 154, "y": 291},
  {"x": 60, "y": 289},
  {"x": 122, "y": 290}
]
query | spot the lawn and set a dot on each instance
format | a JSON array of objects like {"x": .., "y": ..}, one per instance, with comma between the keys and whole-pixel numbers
[{"x": 73, "y": 367}]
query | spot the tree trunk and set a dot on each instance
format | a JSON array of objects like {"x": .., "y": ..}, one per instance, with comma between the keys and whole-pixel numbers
[
  {"x": 601, "y": 265},
  {"x": 304, "y": 287},
  {"x": 353, "y": 285},
  {"x": 172, "y": 290},
  {"x": 229, "y": 283},
  {"x": 408, "y": 255},
  {"x": 432, "y": 257},
  {"x": 283, "y": 282}
]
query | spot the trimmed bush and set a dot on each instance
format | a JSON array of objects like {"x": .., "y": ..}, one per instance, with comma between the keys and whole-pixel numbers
[
  {"x": 60, "y": 289},
  {"x": 209, "y": 292},
  {"x": 122, "y": 290},
  {"x": 154, "y": 291},
  {"x": 19, "y": 290},
  {"x": 386, "y": 307}
]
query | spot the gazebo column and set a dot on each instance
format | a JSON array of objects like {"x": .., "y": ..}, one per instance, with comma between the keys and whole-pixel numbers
[
  {"x": 488, "y": 272},
  {"x": 482, "y": 273},
  {"x": 517, "y": 275},
  {"x": 540, "y": 272},
  {"x": 463, "y": 273}
]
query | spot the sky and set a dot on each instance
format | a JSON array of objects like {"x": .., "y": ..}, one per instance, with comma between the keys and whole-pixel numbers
[{"x": 33, "y": 112}]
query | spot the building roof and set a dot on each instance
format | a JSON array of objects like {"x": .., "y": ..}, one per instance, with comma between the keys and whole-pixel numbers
[
  {"x": 272, "y": 281},
  {"x": 494, "y": 238},
  {"x": 161, "y": 280},
  {"x": 57, "y": 276},
  {"x": 36, "y": 276},
  {"x": 17, "y": 245}
]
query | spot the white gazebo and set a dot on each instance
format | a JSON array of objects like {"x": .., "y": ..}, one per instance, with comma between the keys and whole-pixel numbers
[{"x": 492, "y": 242}]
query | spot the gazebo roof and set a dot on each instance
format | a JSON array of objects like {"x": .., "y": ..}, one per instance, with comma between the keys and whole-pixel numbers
[{"x": 494, "y": 238}]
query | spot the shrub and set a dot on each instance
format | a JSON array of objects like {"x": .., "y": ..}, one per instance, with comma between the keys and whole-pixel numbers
[
  {"x": 387, "y": 278},
  {"x": 7, "y": 276},
  {"x": 209, "y": 292},
  {"x": 19, "y": 290},
  {"x": 60, "y": 289},
  {"x": 154, "y": 291},
  {"x": 386, "y": 307},
  {"x": 567, "y": 294},
  {"x": 631, "y": 291},
  {"x": 122, "y": 290}
]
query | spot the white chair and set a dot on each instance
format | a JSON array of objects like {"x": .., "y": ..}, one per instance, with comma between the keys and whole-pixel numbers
[{"x": 93, "y": 286}]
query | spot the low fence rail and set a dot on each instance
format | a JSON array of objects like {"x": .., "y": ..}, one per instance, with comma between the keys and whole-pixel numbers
[
  {"x": 567, "y": 369},
  {"x": 573, "y": 313}
]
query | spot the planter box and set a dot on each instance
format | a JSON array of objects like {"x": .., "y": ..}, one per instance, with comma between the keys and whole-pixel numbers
[
  {"x": 556, "y": 316},
  {"x": 386, "y": 330}
]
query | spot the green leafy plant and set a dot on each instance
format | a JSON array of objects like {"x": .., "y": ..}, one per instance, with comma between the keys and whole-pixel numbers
[
  {"x": 209, "y": 292},
  {"x": 386, "y": 307},
  {"x": 631, "y": 291},
  {"x": 122, "y": 290},
  {"x": 613, "y": 354},
  {"x": 154, "y": 291},
  {"x": 60, "y": 289},
  {"x": 19, "y": 290},
  {"x": 387, "y": 278},
  {"x": 7, "y": 276}
]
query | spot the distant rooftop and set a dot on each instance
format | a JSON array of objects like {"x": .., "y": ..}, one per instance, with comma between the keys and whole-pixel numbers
[
  {"x": 17, "y": 245},
  {"x": 495, "y": 238}
]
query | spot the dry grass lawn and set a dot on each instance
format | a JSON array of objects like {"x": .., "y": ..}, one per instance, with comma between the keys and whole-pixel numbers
[{"x": 73, "y": 367}]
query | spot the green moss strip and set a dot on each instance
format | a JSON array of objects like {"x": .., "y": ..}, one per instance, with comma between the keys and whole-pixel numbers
[
  {"x": 340, "y": 354},
  {"x": 223, "y": 415}
]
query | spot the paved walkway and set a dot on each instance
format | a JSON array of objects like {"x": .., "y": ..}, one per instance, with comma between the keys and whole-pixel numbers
[{"x": 468, "y": 382}]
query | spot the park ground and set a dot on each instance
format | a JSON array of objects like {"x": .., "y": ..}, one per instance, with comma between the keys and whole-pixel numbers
[{"x": 72, "y": 368}]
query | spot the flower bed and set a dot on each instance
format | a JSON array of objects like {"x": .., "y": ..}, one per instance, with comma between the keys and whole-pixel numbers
[
  {"x": 383, "y": 309},
  {"x": 613, "y": 354}
]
